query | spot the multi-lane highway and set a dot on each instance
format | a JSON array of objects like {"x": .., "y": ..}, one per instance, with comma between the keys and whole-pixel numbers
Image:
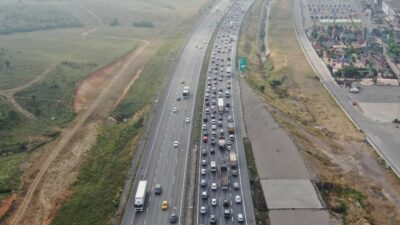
[
  {"x": 162, "y": 162},
  {"x": 223, "y": 201}
]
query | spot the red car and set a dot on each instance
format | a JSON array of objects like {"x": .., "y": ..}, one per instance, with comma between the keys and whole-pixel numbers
[{"x": 205, "y": 139}]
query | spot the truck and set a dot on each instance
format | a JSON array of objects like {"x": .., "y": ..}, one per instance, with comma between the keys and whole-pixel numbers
[
  {"x": 230, "y": 127},
  {"x": 224, "y": 177},
  {"x": 140, "y": 196},
  {"x": 185, "y": 92},
  {"x": 221, "y": 142},
  {"x": 233, "y": 160},
  {"x": 221, "y": 105}
]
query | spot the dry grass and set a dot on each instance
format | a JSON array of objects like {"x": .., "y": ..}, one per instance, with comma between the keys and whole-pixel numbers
[{"x": 352, "y": 183}]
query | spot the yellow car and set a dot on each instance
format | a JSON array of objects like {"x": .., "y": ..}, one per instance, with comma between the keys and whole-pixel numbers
[{"x": 164, "y": 205}]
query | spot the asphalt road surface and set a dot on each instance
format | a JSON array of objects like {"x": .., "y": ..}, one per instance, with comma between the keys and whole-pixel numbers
[
  {"x": 222, "y": 83},
  {"x": 384, "y": 138},
  {"x": 163, "y": 163}
]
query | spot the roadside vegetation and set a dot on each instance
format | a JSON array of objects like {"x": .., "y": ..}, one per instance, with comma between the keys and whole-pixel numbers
[
  {"x": 333, "y": 149},
  {"x": 260, "y": 207},
  {"x": 96, "y": 192},
  {"x": 249, "y": 41}
]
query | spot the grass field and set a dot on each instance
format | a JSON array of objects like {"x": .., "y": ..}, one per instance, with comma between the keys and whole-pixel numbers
[
  {"x": 97, "y": 191},
  {"x": 73, "y": 53}
]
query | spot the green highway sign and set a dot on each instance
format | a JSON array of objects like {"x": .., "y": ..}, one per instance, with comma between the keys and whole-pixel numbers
[{"x": 242, "y": 63}]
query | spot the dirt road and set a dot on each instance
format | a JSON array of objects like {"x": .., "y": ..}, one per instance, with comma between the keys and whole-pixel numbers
[
  {"x": 9, "y": 93},
  {"x": 69, "y": 133}
]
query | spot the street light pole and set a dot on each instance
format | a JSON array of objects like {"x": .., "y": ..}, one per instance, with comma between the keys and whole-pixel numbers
[{"x": 398, "y": 112}]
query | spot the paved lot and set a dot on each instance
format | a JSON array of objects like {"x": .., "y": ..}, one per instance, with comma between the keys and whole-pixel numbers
[
  {"x": 275, "y": 153},
  {"x": 289, "y": 194}
]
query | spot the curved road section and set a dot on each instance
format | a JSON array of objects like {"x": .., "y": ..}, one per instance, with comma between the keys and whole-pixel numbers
[
  {"x": 384, "y": 139},
  {"x": 163, "y": 162}
]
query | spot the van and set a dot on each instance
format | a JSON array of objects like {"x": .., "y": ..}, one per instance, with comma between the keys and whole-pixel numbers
[{"x": 213, "y": 166}]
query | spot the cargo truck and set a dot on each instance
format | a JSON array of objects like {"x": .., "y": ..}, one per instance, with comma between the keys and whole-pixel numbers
[
  {"x": 140, "y": 196},
  {"x": 224, "y": 177},
  {"x": 221, "y": 105},
  {"x": 233, "y": 160}
]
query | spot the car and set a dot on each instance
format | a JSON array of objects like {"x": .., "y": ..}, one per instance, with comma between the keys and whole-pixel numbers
[
  {"x": 213, "y": 219},
  {"x": 164, "y": 205},
  {"x": 205, "y": 119},
  {"x": 187, "y": 120},
  {"x": 203, "y": 182},
  {"x": 173, "y": 218},
  {"x": 204, "y": 162},
  {"x": 212, "y": 150},
  {"x": 204, "y": 195},
  {"x": 157, "y": 189},
  {"x": 178, "y": 98},
  {"x": 203, "y": 210},
  {"x": 205, "y": 139},
  {"x": 225, "y": 203},
  {"x": 176, "y": 144},
  {"x": 231, "y": 137},
  {"x": 227, "y": 214},
  {"x": 238, "y": 199},
  {"x": 214, "y": 186},
  {"x": 214, "y": 202},
  {"x": 234, "y": 173},
  {"x": 204, "y": 152},
  {"x": 174, "y": 110},
  {"x": 240, "y": 218},
  {"x": 205, "y": 133},
  {"x": 204, "y": 127},
  {"x": 236, "y": 186},
  {"x": 203, "y": 172},
  {"x": 213, "y": 127}
]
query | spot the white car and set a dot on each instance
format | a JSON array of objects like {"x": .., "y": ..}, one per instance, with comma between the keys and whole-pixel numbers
[
  {"x": 203, "y": 172},
  {"x": 213, "y": 201},
  {"x": 240, "y": 218},
  {"x": 176, "y": 144},
  {"x": 203, "y": 210},
  {"x": 214, "y": 186},
  {"x": 174, "y": 110},
  {"x": 238, "y": 199},
  {"x": 187, "y": 120}
]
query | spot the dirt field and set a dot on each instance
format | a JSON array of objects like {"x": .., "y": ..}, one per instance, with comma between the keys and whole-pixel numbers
[{"x": 356, "y": 184}]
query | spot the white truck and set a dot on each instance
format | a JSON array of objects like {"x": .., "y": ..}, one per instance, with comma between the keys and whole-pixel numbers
[
  {"x": 185, "y": 92},
  {"x": 233, "y": 160},
  {"x": 140, "y": 196},
  {"x": 221, "y": 105}
]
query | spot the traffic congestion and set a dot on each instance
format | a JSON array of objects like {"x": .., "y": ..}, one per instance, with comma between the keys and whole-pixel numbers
[{"x": 219, "y": 191}]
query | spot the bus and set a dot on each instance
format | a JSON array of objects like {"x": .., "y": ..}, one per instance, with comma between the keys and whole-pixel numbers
[{"x": 185, "y": 92}]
